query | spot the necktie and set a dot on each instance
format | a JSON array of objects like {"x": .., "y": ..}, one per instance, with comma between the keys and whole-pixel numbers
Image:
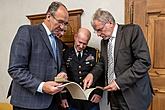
[
  {"x": 110, "y": 73},
  {"x": 54, "y": 46},
  {"x": 79, "y": 56}
]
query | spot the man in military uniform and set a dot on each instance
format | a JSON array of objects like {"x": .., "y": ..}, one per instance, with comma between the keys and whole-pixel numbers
[{"x": 80, "y": 60}]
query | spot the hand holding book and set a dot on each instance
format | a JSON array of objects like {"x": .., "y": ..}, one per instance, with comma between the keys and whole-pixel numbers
[{"x": 76, "y": 90}]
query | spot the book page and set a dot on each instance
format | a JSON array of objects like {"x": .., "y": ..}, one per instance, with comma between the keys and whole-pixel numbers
[
  {"x": 88, "y": 92},
  {"x": 76, "y": 91}
]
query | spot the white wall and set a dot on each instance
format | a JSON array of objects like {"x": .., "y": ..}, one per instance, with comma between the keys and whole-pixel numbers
[{"x": 13, "y": 14}]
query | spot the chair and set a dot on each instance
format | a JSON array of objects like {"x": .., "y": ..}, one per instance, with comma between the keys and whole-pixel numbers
[{"x": 6, "y": 106}]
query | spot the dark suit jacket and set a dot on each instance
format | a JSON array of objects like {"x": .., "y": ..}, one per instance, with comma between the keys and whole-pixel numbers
[
  {"x": 131, "y": 65},
  {"x": 32, "y": 62},
  {"x": 78, "y": 70}
]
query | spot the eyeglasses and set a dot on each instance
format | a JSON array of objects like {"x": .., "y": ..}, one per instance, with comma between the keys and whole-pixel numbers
[
  {"x": 100, "y": 29},
  {"x": 61, "y": 22}
]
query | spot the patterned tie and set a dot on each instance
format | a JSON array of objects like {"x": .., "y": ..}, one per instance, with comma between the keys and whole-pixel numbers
[
  {"x": 110, "y": 73},
  {"x": 54, "y": 46}
]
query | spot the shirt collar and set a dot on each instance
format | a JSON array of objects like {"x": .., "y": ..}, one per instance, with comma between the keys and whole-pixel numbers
[
  {"x": 115, "y": 31},
  {"x": 77, "y": 51},
  {"x": 47, "y": 29}
]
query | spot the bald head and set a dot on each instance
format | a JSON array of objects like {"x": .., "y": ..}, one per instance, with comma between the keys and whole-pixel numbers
[
  {"x": 84, "y": 32},
  {"x": 82, "y": 38}
]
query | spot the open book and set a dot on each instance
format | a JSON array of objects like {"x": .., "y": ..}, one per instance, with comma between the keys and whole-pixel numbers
[{"x": 76, "y": 91}]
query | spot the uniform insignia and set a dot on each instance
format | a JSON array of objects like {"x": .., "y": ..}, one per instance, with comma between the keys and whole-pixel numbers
[
  {"x": 87, "y": 62},
  {"x": 90, "y": 57},
  {"x": 70, "y": 58}
]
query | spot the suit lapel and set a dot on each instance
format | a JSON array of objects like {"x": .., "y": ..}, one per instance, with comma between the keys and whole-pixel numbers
[
  {"x": 104, "y": 44},
  {"x": 58, "y": 51},
  {"x": 85, "y": 55},
  {"x": 117, "y": 42},
  {"x": 73, "y": 55},
  {"x": 45, "y": 38},
  {"x": 104, "y": 51}
]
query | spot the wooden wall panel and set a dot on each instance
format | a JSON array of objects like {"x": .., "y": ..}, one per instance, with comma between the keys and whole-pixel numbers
[
  {"x": 159, "y": 46},
  {"x": 150, "y": 15},
  {"x": 155, "y": 5},
  {"x": 158, "y": 101}
]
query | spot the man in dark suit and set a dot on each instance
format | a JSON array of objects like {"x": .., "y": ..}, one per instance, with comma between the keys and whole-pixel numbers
[
  {"x": 80, "y": 60},
  {"x": 125, "y": 59},
  {"x": 35, "y": 59}
]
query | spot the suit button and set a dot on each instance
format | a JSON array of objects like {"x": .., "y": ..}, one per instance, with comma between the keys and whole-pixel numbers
[
  {"x": 80, "y": 83},
  {"x": 79, "y": 72},
  {"x": 80, "y": 77},
  {"x": 79, "y": 66}
]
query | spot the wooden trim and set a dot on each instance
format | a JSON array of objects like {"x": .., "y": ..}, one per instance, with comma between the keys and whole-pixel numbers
[
  {"x": 76, "y": 11},
  {"x": 126, "y": 11},
  {"x": 42, "y": 16}
]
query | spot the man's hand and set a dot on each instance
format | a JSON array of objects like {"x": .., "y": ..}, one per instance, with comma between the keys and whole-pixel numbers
[
  {"x": 112, "y": 86},
  {"x": 64, "y": 103},
  {"x": 95, "y": 98},
  {"x": 88, "y": 81},
  {"x": 62, "y": 75},
  {"x": 50, "y": 87}
]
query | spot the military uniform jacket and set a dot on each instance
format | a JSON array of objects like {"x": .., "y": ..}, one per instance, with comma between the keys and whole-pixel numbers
[{"x": 77, "y": 70}]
